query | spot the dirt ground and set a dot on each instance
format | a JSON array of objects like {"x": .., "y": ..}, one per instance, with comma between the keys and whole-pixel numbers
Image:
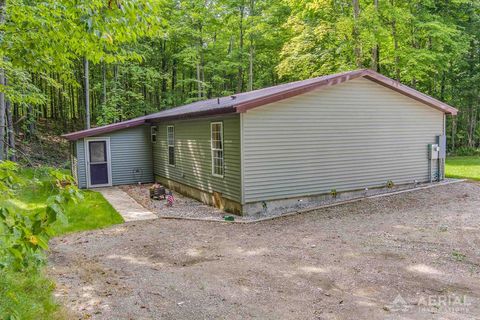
[{"x": 408, "y": 256}]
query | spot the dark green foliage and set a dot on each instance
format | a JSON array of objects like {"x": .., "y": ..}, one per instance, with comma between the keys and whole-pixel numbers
[
  {"x": 24, "y": 234},
  {"x": 147, "y": 56},
  {"x": 36, "y": 204}
]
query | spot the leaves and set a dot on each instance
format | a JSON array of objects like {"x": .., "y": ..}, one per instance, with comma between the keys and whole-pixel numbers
[{"x": 24, "y": 235}]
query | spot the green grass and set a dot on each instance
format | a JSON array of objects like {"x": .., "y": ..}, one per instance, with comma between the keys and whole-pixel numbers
[
  {"x": 463, "y": 167},
  {"x": 91, "y": 212},
  {"x": 29, "y": 294}
]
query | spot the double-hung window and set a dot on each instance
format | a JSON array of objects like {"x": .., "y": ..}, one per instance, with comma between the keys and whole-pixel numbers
[
  {"x": 216, "y": 136},
  {"x": 171, "y": 145}
]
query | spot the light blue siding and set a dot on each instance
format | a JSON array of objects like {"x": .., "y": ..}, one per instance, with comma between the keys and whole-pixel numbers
[
  {"x": 81, "y": 171},
  {"x": 131, "y": 157}
]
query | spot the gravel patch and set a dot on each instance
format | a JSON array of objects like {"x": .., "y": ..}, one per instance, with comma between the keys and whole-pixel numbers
[
  {"x": 183, "y": 207},
  {"x": 351, "y": 261}
]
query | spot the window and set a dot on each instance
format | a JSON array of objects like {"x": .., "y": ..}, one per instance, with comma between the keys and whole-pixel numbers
[
  {"x": 171, "y": 145},
  {"x": 216, "y": 134},
  {"x": 153, "y": 134}
]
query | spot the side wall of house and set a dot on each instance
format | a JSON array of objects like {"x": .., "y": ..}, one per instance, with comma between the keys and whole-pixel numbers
[
  {"x": 193, "y": 157},
  {"x": 350, "y": 136},
  {"x": 131, "y": 156}
]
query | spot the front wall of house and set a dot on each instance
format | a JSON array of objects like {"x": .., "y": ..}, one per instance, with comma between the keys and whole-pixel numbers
[
  {"x": 131, "y": 155},
  {"x": 193, "y": 157},
  {"x": 350, "y": 136}
]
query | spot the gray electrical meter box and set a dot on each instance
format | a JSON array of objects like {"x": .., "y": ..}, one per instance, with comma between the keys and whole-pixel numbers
[{"x": 433, "y": 151}]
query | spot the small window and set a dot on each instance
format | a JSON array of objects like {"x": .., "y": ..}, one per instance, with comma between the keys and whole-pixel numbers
[
  {"x": 218, "y": 167},
  {"x": 171, "y": 145},
  {"x": 153, "y": 134}
]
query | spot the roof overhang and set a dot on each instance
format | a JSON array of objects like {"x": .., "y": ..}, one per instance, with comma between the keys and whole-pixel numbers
[
  {"x": 409, "y": 92},
  {"x": 340, "y": 78},
  {"x": 104, "y": 129}
]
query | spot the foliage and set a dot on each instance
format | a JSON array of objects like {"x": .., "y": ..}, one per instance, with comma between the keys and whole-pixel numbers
[
  {"x": 463, "y": 167},
  {"x": 467, "y": 151},
  {"x": 33, "y": 198},
  {"x": 151, "y": 55},
  {"x": 390, "y": 184},
  {"x": 333, "y": 193},
  {"x": 24, "y": 235}
]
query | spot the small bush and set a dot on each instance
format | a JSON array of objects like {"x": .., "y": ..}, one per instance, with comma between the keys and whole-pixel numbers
[
  {"x": 466, "y": 151},
  {"x": 333, "y": 193},
  {"x": 390, "y": 184},
  {"x": 458, "y": 256}
]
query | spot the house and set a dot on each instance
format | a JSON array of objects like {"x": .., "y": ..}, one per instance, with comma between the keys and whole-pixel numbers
[{"x": 270, "y": 148}]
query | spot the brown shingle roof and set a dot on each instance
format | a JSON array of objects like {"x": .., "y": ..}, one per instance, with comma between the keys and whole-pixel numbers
[{"x": 244, "y": 101}]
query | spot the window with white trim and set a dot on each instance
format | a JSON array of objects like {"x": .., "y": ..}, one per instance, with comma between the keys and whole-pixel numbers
[
  {"x": 171, "y": 145},
  {"x": 153, "y": 134},
  {"x": 216, "y": 135}
]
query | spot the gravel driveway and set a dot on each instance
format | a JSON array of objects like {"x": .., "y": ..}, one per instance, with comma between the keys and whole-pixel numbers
[{"x": 408, "y": 256}]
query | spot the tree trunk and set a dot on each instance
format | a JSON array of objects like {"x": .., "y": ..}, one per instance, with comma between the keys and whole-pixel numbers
[
  {"x": 376, "y": 48},
  {"x": 356, "y": 34},
  {"x": 454, "y": 133},
  {"x": 104, "y": 83},
  {"x": 10, "y": 131},
  {"x": 87, "y": 93},
  {"x": 395, "y": 45},
  {"x": 240, "y": 65},
  {"x": 30, "y": 122},
  {"x": 2, "y": 116},
  {"x": 250, "y": 57},
  {"x": 3, "y": 4}
]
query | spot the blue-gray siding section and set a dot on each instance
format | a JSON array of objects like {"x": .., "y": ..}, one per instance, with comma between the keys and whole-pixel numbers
[{"x": 131, "y": 156}]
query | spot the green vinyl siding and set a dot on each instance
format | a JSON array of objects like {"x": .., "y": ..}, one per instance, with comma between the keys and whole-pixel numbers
[
  {"x": 193, "y": 157},
  {"x": 131, "y": 156},
  {"x": 351, "y": 136}
]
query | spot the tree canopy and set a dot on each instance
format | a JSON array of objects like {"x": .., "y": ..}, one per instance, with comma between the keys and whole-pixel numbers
[{"x": 134, "y": 57}]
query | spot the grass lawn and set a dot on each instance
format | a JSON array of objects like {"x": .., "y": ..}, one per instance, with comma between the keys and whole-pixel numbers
[
  {"x": 92, "y": 212},
  {"x": 463, "y": 167},
  {"x": 29, "y": 294}
]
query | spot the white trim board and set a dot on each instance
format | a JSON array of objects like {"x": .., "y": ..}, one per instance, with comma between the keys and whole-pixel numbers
[{"x": 87, "y": 161}]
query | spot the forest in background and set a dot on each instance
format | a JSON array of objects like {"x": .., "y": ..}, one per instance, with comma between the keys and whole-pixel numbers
[{"x": 73, "y": 64}]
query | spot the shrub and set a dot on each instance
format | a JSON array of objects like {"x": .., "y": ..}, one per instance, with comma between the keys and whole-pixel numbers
[
  {"x": 467, "y": 151},
  {"x": 24, "y": 292},
  {"x": 390, "y": 184},
  {"x": 333, "y": 193},
  {"x": 24, "y": 235}
]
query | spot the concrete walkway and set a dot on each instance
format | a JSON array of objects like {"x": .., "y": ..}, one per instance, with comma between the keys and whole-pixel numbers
[{"x": 126, "y": 206}]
